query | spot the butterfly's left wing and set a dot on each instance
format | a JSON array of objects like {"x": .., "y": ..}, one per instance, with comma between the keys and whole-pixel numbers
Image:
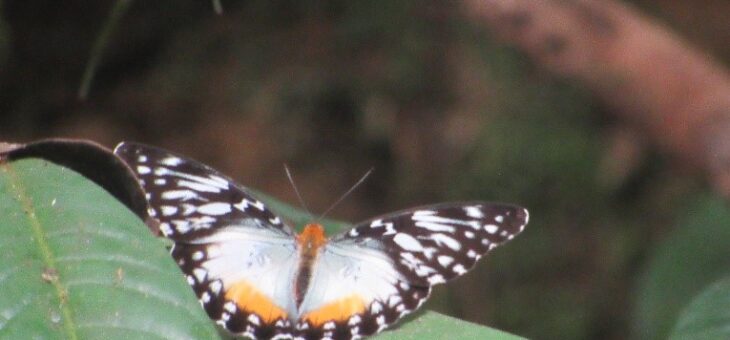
[
  {"x": 239, "y": 258},
  {"x": 372, "y": 275},
  {"x": 191, "y": 199}
]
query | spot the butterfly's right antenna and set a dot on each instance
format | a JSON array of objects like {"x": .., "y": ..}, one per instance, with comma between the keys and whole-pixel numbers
[
  {"x": 345, "y": 194},
  {"x": 296, "y": 191}
]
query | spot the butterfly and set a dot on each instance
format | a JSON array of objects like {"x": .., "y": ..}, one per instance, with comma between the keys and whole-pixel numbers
[{"x": 256, "y": 277}]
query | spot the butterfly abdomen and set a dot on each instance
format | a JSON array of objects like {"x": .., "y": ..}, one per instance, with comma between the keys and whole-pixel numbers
[
  {"x": 310, "y": 241},
  {"x": 304, "y": 275}
]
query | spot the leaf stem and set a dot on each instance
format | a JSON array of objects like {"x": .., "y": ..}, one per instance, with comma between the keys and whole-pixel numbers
[
  {"x": 102, "y": 40},
  {"x": 217, "y": 7}
]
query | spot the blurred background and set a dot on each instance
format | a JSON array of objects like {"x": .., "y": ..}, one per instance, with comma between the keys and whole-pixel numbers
[{"x": 624, "y": 229}]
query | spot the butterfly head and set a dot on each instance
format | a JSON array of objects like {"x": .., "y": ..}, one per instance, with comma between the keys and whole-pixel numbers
[{"x": 312, "y": 237}]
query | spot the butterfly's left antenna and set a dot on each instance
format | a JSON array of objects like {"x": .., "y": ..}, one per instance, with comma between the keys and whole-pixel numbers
[
  {"x": 296, "y": 191},
  {"x": 362, "y": 179}
]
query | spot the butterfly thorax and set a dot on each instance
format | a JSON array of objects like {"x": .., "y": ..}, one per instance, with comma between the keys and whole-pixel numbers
[{"x": 310, "y": 240}]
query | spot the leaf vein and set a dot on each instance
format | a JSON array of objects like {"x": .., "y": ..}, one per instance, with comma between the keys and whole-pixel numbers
[
  {"x": 111, "y": 258},
  {"x": 143, "y": 289},
  {"x": 41, "y": 240}
]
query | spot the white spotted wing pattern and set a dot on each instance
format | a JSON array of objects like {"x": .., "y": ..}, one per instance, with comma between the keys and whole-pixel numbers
[{"x": 257, "y": 278}]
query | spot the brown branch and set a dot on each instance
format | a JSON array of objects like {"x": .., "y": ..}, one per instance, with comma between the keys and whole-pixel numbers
[{"x": 647, "y": 75}]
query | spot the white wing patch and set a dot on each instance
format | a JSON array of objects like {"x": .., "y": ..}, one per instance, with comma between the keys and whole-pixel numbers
[
  {"x": 443, "y": 239},
  {"x": 245, "y": 203},
  {"x": 171, "y": 161},
  {"x": 407, "y": 242},
  {"x": 263, "y": 259},
  {"x": 216, "y": 208},
  {"x": 474, "y": 212}
]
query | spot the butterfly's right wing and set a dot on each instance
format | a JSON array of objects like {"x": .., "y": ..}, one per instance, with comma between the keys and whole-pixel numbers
[
  {"x": 237, "y": 255},
  {"x": 434, "y": 244},
  {"x": 374, "y": 274}
]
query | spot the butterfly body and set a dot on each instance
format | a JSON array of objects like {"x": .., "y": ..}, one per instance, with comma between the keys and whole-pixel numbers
[
  {"x": 256, "y": 277},
  {"x": 310, "y": 242}
]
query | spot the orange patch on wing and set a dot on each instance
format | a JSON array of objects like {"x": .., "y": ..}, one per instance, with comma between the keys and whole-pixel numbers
[
  {"x": 251, "y": 300},
  {"x": 339, "y": 310}
]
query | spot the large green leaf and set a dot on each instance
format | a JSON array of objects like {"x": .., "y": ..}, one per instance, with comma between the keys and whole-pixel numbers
[
  {"x": 695, "y": 254},
  {"x": 432, "y": 325},
  {"x": 708, "y": 315},
  {"x": 76, "y": 264}
]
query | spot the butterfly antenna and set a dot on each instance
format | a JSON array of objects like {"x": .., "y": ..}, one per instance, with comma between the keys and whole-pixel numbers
[
  {"x": 362, "y": 179},
  {"x": 299, "y": 196}
]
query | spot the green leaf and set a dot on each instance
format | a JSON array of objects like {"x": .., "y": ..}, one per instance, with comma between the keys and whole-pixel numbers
[
  {"x": 694, "y": 255},
  {"x": 76, "y": 264},
  {"x": 708, "y": 315},
  {"x": 432, "y": 325}
]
